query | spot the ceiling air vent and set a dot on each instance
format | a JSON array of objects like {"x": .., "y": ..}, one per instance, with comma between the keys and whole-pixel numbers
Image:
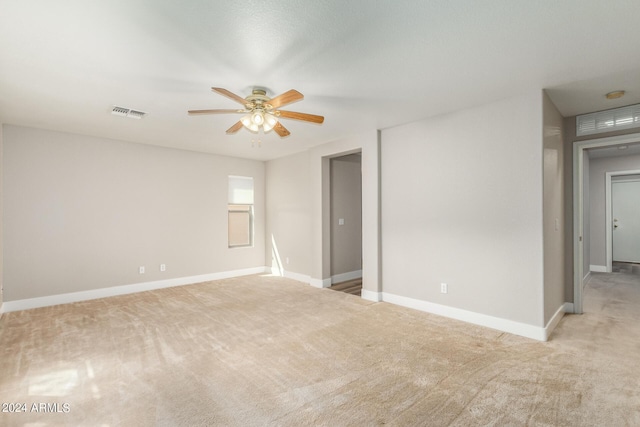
[
  {"x": 608, "y": 120},
  {"x": 127, "y": 112}
]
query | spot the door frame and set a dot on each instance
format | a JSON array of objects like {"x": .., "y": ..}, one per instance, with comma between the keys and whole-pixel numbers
[
  {"x": 609, "y": 212},
  {"x": 331, "y": 187},
  {"x": 578, "y": 208}
]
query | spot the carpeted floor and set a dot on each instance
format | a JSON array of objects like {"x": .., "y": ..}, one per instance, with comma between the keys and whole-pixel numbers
[{"x": 271, "y": 351}]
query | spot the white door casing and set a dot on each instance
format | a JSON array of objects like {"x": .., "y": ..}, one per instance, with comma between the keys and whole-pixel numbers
[{"x": 578, "y": 208}]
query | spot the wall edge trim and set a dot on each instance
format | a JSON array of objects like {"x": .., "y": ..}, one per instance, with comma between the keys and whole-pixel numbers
[
  {"x": 304, "y": 278},
  {"x": 50, "y": 300},
  {"x": 568, "y": 307},
  {"x": 553, "y": 322},
  {"x": 371, "y": 295},
  {"x": 500, "y": 324},
  {"x": 320, "y": 283}
]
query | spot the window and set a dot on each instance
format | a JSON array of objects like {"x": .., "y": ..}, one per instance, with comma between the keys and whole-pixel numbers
[
  {"x": 240, "y": 211},
  {"x": 609, "y": 120}
]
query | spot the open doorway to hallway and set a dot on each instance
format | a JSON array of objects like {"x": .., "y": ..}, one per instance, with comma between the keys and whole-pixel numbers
[
  {"x": 595, "y": 163},
  {"x": 346, "y": 223}
]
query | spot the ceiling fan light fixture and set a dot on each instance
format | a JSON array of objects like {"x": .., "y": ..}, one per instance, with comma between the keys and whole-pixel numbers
[
  {"x": 257, "y": 118},
  {"x": 269, "y": 122},
  {"x": 249, "y": 124}
]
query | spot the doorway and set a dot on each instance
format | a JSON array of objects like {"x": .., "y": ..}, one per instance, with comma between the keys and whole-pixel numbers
[
  {"x": 581, "y": 234},
  {"x": 345, "y": 202},
  {"x": 623, "y": 209}
]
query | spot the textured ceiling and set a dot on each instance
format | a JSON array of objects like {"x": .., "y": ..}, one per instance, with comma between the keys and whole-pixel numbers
[{"x": 363, "y": 65}]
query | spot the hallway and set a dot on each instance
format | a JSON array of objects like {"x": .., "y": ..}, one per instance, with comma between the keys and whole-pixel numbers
[
  {"x": 614, "y": 295},
  {"x": 610, "y": 324}
]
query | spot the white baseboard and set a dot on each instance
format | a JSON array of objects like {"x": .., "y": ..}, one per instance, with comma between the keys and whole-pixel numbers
[
  {"x": 598, "y": 268},
  {"x": 586, "y": 279},
  {"x": 568, "y": 307},
  {"x": 316, "y": 283},
  {"x": 26, "y": 304},
  {"x": 320, "y": 283},
  {"x": 296, "y": 276},
  {"x": 371, "y": 296},
  {"x": 553, "y": 322},
  {"x": 510, "y": 326},
  {"x": 343, "y": 277}
]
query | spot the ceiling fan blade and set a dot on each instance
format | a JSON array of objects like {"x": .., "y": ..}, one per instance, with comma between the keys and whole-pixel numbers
[
  {"x": 235, "y": 128},
  {"x": 300, "y": 116},
  {"x": 286, "y": 98},
  {"x": 196, "y": 112},
  {"x": 230, "y": 95},
  {"x": 281, "y": 130}
]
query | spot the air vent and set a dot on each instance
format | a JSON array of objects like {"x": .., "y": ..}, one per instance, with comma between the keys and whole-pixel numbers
[
  {"x": 608, "y": 120},
  {"x": 127, "y": 112}
]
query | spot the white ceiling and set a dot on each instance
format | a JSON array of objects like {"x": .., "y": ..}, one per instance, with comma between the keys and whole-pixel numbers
[{"x": 363, "y": 65}]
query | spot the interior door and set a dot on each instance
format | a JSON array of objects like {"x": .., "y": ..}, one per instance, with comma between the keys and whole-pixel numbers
[{"x": 625, "y": 206}]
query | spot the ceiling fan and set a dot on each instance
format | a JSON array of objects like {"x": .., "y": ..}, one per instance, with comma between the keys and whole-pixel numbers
[{"x": 260, "y": 111}]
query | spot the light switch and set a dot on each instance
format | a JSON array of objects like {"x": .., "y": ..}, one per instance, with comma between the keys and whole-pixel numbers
[{"x": 340, "y": 221}]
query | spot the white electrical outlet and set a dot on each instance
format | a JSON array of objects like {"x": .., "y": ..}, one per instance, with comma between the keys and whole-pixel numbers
[
  {"x": 163, "y": 267},
  {"x": 444, "y": 288},
  {"x": 141, "y": 269},
  {"x": 287, "y": 260}
]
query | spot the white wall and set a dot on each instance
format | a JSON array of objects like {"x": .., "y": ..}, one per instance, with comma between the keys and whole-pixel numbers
[
  {"x": 597, "y": 175},
  {"x": 346, "y": 204},
  {"x": 462, "y": 204},
  {"x": 553, "y": 209},
  {"x": 83, "y": 213},
  {"x": 456, "y": 198},
  {"x": 288, "y": 208},
  {"x": 301, "y": 183}
]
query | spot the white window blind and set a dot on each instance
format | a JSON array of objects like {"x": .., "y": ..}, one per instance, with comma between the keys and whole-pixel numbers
[
  {"x": 240, "y": 190},
  {"x": 609, "y": 120}
]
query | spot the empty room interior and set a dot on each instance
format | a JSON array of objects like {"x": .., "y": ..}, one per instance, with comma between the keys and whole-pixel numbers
[{"x": 319, "y": 213}]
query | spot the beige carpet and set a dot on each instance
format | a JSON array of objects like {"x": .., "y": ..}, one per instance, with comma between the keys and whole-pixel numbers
[{"x": 271, "y": 351}]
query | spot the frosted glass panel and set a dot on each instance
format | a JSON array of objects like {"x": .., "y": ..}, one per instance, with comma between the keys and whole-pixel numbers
[{"x": 240, "y": 190}]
